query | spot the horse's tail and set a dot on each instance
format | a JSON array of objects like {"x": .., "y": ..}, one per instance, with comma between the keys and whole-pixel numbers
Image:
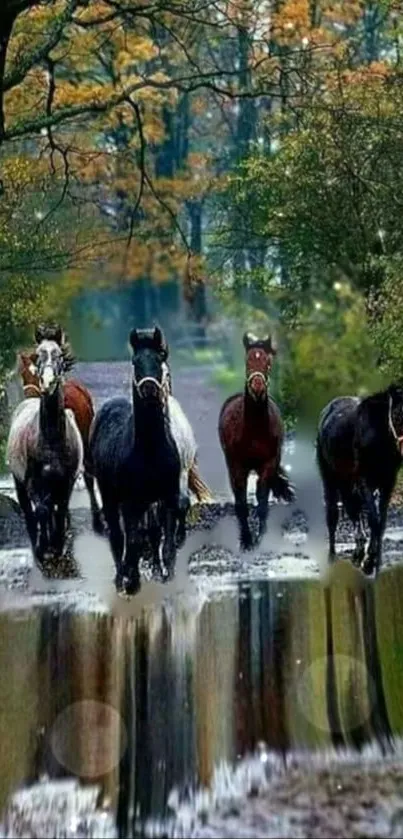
[
  {"x": 281, "y": 486},
  {"x": 197, "y": 485}
]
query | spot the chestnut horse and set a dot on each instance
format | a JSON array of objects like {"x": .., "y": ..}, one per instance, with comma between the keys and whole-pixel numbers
[
  {"x": 251, "y": 435},
  {"x": 76, "y": 397}
]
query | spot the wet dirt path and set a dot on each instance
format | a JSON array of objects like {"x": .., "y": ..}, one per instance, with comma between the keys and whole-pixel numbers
[{"x": 246, "y": 674}]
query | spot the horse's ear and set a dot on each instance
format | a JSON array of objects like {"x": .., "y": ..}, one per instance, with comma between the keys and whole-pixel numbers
[
  {"x": 39, "y": 333},
  {"x": 134, "y": 339},
  {"x": 158, "y": 338},
  {"x": 161, "y": 343},
  {"x": 247, "y": 340},
  {"x": 59, "y": 336},
  {"x": 270, "y": 345}
]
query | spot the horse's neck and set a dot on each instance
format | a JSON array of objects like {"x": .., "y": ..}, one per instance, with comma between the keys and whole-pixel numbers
[
  {"x": 254, "y": 410},
  {"x": 150, "y": 423},
  {"x": 52, "y": 418}
]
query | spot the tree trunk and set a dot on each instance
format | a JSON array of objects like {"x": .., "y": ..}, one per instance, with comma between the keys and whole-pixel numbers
[{"x": 7, "y": 19}]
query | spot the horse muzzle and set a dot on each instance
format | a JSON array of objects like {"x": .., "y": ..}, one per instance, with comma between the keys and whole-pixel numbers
[
  {"x": 48, "y": 380},
  {"x": 150, "y": 389},
  {"x": 257, "y": 386}
]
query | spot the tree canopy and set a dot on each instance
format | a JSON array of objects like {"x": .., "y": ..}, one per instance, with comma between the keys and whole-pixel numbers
[{"x": 262, "y": 135}]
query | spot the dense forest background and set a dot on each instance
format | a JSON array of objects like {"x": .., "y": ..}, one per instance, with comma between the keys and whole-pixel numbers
[{"x": 210, "y": 165}]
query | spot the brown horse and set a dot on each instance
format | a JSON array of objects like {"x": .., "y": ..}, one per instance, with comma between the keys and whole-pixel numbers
[
  {"x": 251, "y": 435},
  {"x": 76, "y": 397}
]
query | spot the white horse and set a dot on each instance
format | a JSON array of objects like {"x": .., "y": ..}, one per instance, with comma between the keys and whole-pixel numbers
[
  {"x": 184, "y": 437},
  {"x": 45, "y": 453}
]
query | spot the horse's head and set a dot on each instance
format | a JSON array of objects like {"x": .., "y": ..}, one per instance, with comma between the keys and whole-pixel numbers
[
  {"x": 26, "y": 367},
  {"x": 259, "y": 354},
  {"x": 150, "y": 353},
  {"x": 49, "y": 364}
]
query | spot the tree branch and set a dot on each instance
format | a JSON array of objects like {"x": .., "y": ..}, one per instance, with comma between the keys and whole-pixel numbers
[
  {"x": 141, "y": 161},
  {"x": 31, "y": 59}
]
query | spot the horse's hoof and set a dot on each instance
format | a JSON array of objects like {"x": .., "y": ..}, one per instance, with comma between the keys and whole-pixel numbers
[
  {"x": 127, "y": 585},
  {"x": 167, "y": 575},
  {"x": 246, "y": 544},
  {"x": 368, "y": 566},
  {"x": 131, "y": 585}
]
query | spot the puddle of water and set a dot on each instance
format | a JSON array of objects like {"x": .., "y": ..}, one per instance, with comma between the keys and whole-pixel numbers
[{"x": 153, "y": 699}]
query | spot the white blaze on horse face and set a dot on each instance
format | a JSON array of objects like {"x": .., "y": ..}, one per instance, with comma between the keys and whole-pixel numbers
[
  {"x": 48, "y": 377},
  {"x": 49, "y": 362}
]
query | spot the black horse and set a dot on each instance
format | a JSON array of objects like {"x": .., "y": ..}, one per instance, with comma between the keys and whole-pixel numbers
[
  {"x": 136, "y": 461},
  {"x": 359, "y": 452}
]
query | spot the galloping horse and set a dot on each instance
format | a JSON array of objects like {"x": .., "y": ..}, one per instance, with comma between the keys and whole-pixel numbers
[
  {"x": 251, "y": 435},
  {"x": 45, "y": 455},
  {"x": 191, "y": 479},
  {"x": 138, "y": 462},
  {"x": 76, "y": 397},
  {"x": 359, "y": 451}
]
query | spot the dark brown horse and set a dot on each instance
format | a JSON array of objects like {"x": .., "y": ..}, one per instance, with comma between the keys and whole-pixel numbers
[
  {"x": 251, "y": 435},
  {"x": 76, "y": 397}
]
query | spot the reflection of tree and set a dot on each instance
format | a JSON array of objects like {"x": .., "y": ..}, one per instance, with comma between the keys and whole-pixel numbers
[
  {"x": 18, "y": 701},
  {"x": 379, "y": 723},
  {"x": 350, "y": 671},
  {"x": 195, "y": 688},
  {"x": 160, "y": 712},
  {"x": 259, "y": 694},
  {"x": 79, "y": 659},
  {"x": 388, "y": 628},
  {"x": 305, "y": 664},
  {"x": 215, "y": 682}
]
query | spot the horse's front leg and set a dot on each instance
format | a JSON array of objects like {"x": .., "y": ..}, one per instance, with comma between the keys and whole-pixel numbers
[
  {"x": 29, "y": 515},
  {"x": 373, "y": 555},
  {"x": 98, "y": 521},
  {"x": 239, "y": 482},
  {"x": 353, "y": 506},
  {"x": 384, "y": 500},
  {"x": 262, "y": 495},
  {"x": 61, "y": 518},
  {"x": 170, "y": 519},
  {"x": 134, "y": 548},
  {"x": 154, "y": 536},
  {"x": 116, "y": 538},
  {"x": 184, "y": 506}
]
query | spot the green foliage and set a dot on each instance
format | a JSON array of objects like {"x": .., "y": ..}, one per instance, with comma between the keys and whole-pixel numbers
[
  {"x": 35, "y": 252},
  {"x": 331, "y": 354},
  {"x": 387, "y": 319},
  {"x": 333, "y": 188}
]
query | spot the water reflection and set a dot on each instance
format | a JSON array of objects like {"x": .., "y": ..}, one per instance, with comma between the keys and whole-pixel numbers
[{"x": 156, "y": 701}]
